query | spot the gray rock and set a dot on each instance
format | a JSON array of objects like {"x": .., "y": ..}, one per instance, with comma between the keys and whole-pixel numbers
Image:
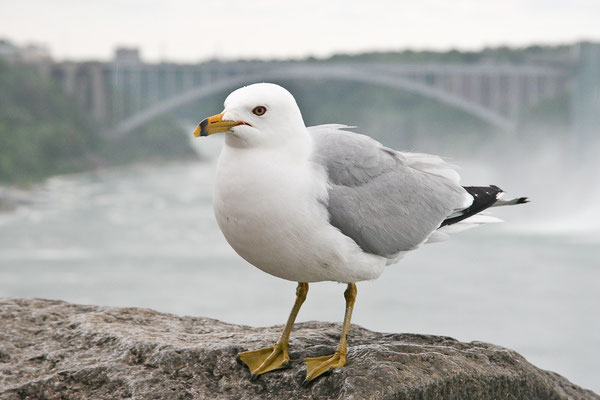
[{"x": 56, "y": 350}]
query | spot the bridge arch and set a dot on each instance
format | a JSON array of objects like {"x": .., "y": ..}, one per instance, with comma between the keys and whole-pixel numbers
[{"x": 329, "y": 72}]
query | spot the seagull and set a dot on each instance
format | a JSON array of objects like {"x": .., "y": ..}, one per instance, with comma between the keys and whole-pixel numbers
[{"x": 323, "y": 203}]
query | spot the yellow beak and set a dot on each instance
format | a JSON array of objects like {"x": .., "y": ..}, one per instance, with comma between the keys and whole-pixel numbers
[{"x": 214, "y": 124}]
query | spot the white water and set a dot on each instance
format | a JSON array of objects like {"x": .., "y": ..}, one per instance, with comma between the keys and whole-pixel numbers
[{"x": 145, "y": 236}]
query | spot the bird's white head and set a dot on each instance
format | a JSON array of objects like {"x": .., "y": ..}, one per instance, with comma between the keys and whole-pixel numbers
[{"x": 262, "y": 114}]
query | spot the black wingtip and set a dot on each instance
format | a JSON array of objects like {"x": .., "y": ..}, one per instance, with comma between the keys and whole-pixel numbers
[
  {"x": 483, "y": 197},
  {"x": 522, "y": 200}
]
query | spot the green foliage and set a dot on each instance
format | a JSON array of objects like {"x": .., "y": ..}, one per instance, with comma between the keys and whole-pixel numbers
[
  {"x": 41, "y": 130},
  {"x": 44, "y": 132},
  {"x": 500, "y": 54}
]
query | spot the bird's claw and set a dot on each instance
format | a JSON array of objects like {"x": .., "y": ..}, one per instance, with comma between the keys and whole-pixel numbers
[
  {"x": 265, "y": 360},
  {"x": 317, "y": 366}
]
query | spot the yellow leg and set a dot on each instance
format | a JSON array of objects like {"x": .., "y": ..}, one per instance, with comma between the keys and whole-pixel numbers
[
  {"x": 275, "y": 357},
  {"x": 317, "y": 366}
]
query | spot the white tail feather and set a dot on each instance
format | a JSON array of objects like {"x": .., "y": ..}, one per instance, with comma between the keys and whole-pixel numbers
[{"x": 444, "y": 233}]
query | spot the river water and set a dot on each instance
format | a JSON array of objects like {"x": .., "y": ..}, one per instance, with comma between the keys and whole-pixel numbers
[{"x": 145, "y": 236}]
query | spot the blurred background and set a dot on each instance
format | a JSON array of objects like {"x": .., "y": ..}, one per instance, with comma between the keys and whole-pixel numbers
[{"x": 106, "y": 199}]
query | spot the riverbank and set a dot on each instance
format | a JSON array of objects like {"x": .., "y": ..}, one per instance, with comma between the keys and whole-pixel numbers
[{"x": 11, "y": 198}]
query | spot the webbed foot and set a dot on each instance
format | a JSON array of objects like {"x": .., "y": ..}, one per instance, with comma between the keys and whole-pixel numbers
[
  {"x": 317, "y": 366},
  {"x": 265, "y": 360}
]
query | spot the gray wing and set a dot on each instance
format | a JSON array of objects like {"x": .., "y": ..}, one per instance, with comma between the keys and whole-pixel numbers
[{"x": 386, "y": 201}]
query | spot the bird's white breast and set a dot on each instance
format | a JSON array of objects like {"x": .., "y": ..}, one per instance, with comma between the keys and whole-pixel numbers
[{"x": 269, "y": 207}]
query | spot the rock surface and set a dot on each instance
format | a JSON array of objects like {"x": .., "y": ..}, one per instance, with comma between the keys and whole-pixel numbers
[{"x": 56, "y": 350}]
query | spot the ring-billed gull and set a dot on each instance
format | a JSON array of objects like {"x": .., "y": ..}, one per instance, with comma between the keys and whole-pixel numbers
[{"x": 326, "y": 204}]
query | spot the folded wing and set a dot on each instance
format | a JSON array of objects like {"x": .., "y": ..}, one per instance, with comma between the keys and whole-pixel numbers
[{"x": 386, "y": 201}]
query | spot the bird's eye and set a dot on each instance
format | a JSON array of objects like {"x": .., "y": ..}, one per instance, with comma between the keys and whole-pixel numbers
[{"x": 260, "y": 110}]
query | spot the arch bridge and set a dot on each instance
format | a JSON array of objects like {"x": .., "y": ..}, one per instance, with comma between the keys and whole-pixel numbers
[
  {"x": 124, "y": 95},
  {"x": 494, "y": 94}
]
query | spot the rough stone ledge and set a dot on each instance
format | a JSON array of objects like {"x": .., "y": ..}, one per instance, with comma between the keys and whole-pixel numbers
[{"x": 57, "y": 350}]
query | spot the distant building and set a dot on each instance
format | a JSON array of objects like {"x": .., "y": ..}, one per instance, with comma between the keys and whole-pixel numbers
[
  {"x": 127, "y": 56},
  {"x": 33, "y": 53}
]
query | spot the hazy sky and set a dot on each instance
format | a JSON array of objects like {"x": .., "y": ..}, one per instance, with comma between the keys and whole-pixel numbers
[{"x": 190, "y": 30}]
